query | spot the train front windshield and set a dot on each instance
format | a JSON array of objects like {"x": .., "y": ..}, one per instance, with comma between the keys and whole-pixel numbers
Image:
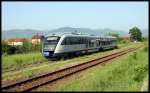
[{"x": 50, "y": 42}]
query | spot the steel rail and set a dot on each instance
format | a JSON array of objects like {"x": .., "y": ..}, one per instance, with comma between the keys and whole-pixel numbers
[{"x": 34, "y": 82}]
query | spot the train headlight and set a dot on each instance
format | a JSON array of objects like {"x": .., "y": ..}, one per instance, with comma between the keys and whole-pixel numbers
[{"x": 46, "y": 53}]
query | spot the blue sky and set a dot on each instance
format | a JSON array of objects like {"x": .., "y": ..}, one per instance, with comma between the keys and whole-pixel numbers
[{"x": 94, "y": 15}]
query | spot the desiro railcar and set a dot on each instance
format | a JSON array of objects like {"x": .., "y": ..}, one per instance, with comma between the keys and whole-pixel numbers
[{"x": 67, "y": 44}]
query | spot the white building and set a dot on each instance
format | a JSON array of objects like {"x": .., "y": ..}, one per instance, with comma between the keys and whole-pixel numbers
[
  {"x": 16, "y": 41},
  {"x": 36, "y": 39}
]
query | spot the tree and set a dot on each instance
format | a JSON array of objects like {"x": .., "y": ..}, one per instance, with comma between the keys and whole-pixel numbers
[
  {"x": 5, "y": 47},
  {"x": 135, "y": 34},
  {"x": 26, "y": 46},
  {"x": 12, "y": 50},
  {"x": 9, "y": 49}
]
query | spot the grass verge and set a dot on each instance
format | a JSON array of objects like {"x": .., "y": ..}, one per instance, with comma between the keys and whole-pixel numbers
[
  {"x": 19, "y": 60},
  {"x": 126, "y": 74},
  {"x": 55, "y": 65}
]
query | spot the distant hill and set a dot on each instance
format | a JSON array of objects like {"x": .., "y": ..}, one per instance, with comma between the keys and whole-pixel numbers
[
  {"x": 89, "y": 31},
  {"x": 28, "y": 33},
  {"x": 70, "y": 29}
]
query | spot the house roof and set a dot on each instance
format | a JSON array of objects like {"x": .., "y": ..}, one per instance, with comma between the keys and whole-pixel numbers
[
  {"x": 37, "y": 36},
  {"x": 16, "y": 39}
]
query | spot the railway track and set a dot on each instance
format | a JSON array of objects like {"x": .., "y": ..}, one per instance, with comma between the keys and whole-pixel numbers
[{"x": 31, "y": 83}]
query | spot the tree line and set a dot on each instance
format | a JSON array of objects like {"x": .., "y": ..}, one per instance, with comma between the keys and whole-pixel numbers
[
  {"x": 25, "y": 48},
  {"x": 135, "y": 35}
]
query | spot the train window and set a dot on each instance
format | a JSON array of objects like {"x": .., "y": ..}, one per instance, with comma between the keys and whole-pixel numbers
[
  {"x": 74, "y": 40},
  {"x": 91, "y": 42},
  {"x": 82, "y": 40},
  {"x": 66, "y": 41},
  {"x": 86, "y": 41},
  {"x": 51, "y": 40},
  {"x": 71, "y": 41}
]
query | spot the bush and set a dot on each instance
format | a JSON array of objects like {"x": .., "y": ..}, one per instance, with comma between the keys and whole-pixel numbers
[
  {"x": 5, "y": 48},
  {"x": 139, "y": 72},
  {"x": 19, "y": 49},
  {"x": 11, "y": 50}
]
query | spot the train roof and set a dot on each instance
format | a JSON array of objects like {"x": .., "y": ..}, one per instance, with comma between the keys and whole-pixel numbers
[{"x": 76, "y": 34}]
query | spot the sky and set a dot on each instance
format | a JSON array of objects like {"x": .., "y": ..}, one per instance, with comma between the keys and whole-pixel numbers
[{"x": 94, "y": 15}]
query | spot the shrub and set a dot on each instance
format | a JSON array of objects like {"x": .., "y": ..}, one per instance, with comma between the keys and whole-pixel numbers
[
  {"x": 140, "y": 71},
  {"x": 12, "y": 50}
]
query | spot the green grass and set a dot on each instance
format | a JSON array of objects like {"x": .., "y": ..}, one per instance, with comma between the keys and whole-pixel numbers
[
  {"x": 18, "y": 60},
  {"x": 126, "y": 74},
  {"x": 55, "y": 65}
]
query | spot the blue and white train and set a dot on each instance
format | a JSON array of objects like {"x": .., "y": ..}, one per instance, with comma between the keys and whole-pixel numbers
[{"x": 67, "y": 44}]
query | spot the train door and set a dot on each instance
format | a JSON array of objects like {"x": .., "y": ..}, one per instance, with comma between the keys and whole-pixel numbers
[{"x": 97, "y": 43}]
